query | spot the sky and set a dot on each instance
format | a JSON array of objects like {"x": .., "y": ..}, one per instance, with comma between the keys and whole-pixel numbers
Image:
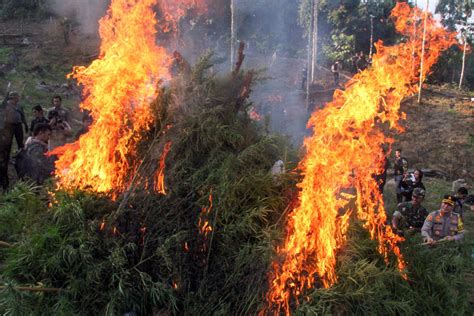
[{"x": 432, "y": 4}]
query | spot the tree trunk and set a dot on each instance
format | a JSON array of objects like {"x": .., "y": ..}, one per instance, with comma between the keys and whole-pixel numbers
[
  {"x": 309, "y": 57},
  {"x": 315, "y": 39},
  {"x": 232, "y": 34},
  {"x": 423, "y": 51},
  {"x": 463, "y": 61}
]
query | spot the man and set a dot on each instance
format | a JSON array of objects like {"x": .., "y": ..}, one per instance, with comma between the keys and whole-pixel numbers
[
  {"x": 16, "y": 118},
  {"x": 411, "y": 182},
  {"x": 57, "y": 106},
  {"x": 6, "y": 140},
  {"x": 400, "y": 167},
  {"x": 61, "y": 130},
  {"x": 461, "y": 196},
  {"x": 38, "y": 117},
  {"x": 40, "y": 166},
  {"x": 335, "y": 72},
  {"x": 443, "y": 224},
  {"x": 411, "y": 214}
]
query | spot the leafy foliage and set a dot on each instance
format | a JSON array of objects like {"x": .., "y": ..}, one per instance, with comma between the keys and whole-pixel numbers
[
  {"x": 23, "y": 8},
  {"x": 144, "y": 253}
]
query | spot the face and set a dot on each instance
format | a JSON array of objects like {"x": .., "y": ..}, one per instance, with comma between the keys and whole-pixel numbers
[
  {"x": 446, "y": 208},
  {"x": 417, "y": 199},
  {"x": 37, "y": 114},
  {"x": 417, "y": 174},
  {"x": 398, "y": 154},
  {"x": 57, "y": 102},
  {"x": 44, "y": 136}
]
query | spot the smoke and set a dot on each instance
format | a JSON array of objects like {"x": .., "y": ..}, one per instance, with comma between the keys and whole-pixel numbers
[{"x": 85, "y": 12}]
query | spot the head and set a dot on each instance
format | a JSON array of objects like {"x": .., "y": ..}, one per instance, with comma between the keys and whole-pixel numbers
[
  {"x": 418, "y": 175},
  {"x": 56, "y": 101},
  {"x": 462, "y": 193},
  {"x": 418, "y": 196},
  {"x": 398, "y": 152},
  {"x": 37, "y": 111},
  {"x": 448, "y": 203},
  {"x": 42, "y": 132},
  {"x": 14, "y": 97}
]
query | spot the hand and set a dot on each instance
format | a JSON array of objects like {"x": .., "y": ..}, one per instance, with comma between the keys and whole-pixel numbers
[
  {"x": 430, "y": 240},
  {"x": 449, "y": 238}
]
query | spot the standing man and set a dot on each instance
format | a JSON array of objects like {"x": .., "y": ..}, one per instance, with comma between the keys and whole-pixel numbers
[
  {"x": 400, "y": 166},
  {"x": 17, "y": 118},
  {"x": 6, "y": 140},
  {"x": 461, "y": 196},
  {"x": 335, "y": 71},
  {"x": 443, "y": 224},
  {"x": 410, "y": 215}
]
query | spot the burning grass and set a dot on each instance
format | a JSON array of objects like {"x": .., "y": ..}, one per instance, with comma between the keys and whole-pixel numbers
[{"x": 152, "y": 258}]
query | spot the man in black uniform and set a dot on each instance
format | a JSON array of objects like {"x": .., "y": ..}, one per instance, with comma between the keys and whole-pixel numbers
[{"x": 400, "y": 167}]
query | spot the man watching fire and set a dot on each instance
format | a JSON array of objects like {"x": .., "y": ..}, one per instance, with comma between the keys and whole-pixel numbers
[
  {"x": 443, "y": 224},
  {"x": 411, "y": 214}
]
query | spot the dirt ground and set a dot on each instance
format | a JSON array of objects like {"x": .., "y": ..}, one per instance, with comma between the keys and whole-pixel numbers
[{"x": 440, "y": 133}]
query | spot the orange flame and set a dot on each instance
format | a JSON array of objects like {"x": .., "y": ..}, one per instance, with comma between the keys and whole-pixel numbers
[
  {"x": 160, "y": 174},
  {"x": 118, "y": 87},
  {"x": 343, "y": 154},
  {"x": 204, "y": 226}
]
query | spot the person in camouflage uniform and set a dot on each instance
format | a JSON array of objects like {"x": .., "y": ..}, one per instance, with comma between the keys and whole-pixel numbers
[
  {"x": 410, "y": 215},
  {"x": 40, "y": 166},
  {"x": 443, "y": 224}
]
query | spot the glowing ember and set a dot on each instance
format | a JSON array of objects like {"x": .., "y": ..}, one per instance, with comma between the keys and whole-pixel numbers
[
  {"x": 160, "y": 174},
  {"x": 204, "y": 226},
  {"x": 343, "y": 154},
  {"x": 117, "y": 88}
]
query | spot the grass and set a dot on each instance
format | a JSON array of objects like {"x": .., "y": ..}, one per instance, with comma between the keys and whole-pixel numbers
[{"x": 5, "y": 53}]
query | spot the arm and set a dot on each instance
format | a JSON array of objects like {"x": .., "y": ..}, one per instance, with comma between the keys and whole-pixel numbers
[
  {"x": 460, "y": 235},
  {"x": 396, "y": 219},
  {"x": 426, "y": 229}
]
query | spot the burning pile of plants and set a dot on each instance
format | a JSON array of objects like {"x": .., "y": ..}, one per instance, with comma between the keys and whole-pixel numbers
[{"x": 169, "y": 205}]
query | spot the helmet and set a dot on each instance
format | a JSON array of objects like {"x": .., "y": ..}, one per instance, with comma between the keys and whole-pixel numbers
[{"x": 419, "y": 192}]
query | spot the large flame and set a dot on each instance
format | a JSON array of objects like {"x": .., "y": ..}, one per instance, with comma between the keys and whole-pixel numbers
[
  {"x": 344, "y": 153},
  {"x": 118, "y": 88}
]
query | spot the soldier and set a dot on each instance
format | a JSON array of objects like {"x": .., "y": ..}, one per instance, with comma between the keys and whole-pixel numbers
[
  {"x": 39, "y": 167},
  {"x": 443, "y": 224},
  {"x": 6, "y": 139},
  {"x": 411, "y": 214},
  {"x": 400, "y": 167},
  {"x": 17, "y": 118},
  {"x": 335, "y": 71},
  {"x": 461, "y": 196}
]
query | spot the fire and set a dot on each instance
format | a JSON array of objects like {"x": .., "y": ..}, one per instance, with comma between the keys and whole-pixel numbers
[
  {"x": 342, "y": 156},
  {"x": 204, "y": 226},
  {"x": 118, "y": 87},
  {"x": 160, "y": 174}
]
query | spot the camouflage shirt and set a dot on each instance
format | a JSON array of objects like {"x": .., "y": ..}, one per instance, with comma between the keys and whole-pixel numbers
[
  {"x": 40, "y": 166},
  {"x": 414, "y": 217}
]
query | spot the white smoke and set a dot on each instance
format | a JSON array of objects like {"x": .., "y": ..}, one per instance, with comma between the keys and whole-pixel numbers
[{"x": 85, "y": 12}]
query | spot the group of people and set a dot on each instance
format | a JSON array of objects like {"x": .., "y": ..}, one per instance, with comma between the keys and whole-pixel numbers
[
  {"x": 411, "y": 216},
  {"x": 34, "y": 140}
]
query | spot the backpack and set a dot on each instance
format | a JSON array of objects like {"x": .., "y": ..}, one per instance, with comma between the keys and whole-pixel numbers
[{"x": 21, "y": 161}]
